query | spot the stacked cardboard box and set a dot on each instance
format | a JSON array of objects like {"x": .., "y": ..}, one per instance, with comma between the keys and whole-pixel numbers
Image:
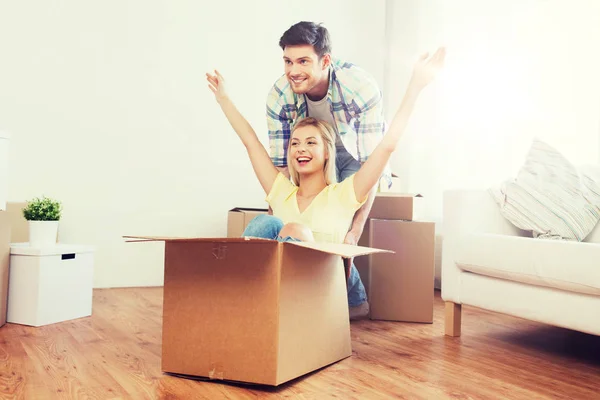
[{"x": 400, "y": 285}]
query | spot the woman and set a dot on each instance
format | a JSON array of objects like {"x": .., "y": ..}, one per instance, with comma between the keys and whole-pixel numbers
[{"x": 313, "y": 206}]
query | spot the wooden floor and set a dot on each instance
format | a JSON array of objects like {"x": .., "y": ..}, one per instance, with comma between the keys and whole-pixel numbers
[{"x": 116, "y": 354}]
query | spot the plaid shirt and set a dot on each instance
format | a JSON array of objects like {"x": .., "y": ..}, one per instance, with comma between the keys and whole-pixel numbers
[{"x": 357, "y": 108}]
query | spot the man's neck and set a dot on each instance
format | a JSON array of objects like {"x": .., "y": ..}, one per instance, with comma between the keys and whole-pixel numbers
[{"x": 320, "y": 90}]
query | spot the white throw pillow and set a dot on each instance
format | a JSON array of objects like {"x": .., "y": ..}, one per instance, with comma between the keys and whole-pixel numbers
[{"x": 549, "y": 197}]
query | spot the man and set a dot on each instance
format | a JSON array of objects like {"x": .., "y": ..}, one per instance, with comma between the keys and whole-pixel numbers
[{"x": 348, "y": 98}]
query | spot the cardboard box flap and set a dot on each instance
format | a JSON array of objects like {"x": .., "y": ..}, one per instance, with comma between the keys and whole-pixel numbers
[
  {"x": 394, "y": 194},
  {"x": 191, "y": 239},
  {"x": 250, "y": 209},
  {"x": 344, "y": 250}
]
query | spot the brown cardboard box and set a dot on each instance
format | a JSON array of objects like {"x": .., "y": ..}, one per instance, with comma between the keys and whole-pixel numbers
[
  {"x": 4, "y": 266},
  {"x": 401, "y": 284},
  {"x": 238, "y": 218},
  {"x": 389, "y": 205},
  {"x": 18, "y": 223},
  {"x": 254, "y": 310}
]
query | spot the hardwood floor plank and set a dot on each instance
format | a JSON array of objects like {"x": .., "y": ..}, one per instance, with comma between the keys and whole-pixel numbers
[{"x": 116, "y": 354}]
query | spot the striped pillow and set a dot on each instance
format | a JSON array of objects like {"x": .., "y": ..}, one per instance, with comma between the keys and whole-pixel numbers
[{"x": 549, "y": 198}]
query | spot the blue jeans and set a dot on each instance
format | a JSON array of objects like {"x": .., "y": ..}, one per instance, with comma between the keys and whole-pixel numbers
[{"x": 268, "y": 227}]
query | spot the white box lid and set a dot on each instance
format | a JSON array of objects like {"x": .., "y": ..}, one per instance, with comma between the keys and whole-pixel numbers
[{"x": 24, "y": 249}]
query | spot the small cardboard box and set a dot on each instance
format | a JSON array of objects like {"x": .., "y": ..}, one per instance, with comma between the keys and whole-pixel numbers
[
  {"x": 390, "y": 205},
  {"x": 253, "y": 310},
  {"x": 19, "y": 225},
  {"x": 238, "y": 218}
]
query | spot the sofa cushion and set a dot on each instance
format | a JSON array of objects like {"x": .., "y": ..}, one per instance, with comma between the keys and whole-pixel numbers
[
  {"x": 565, "y": 265},
  {"x": 550, "y": 197}
]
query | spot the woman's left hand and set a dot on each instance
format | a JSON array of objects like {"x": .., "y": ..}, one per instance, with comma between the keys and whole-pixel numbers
[
  {"x": 216, "y": 83},
  {"x": 426, "y": 68}
]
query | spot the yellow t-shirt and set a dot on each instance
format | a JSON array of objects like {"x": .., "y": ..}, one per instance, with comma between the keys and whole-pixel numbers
[{"x": 330, "y": 214}]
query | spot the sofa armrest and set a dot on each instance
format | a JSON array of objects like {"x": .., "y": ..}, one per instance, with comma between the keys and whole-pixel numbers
[
  {"x": 466, "y": 212},
  {"x": 594, "y": 236}
]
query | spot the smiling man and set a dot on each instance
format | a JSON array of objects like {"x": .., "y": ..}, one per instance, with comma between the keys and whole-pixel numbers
[{"x": 340, "y": 93}]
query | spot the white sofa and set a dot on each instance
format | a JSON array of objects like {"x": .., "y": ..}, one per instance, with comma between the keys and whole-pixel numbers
[{"x": 489, "y": 263}]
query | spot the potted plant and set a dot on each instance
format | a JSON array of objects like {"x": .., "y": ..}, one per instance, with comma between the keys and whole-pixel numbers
[{"x": 43, "y": 215}]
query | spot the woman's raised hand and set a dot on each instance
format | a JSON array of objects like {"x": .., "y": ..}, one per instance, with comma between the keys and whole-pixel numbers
[
  {"x": 216, "y": 83},
  {"x": 426, "y": 68}
]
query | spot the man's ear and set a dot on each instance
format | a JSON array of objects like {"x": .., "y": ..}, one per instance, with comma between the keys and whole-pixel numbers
[{"x": 325, "y": 61}]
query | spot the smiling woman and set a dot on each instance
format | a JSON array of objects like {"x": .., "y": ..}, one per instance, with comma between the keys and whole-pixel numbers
[{"x": 314, "y": 199}]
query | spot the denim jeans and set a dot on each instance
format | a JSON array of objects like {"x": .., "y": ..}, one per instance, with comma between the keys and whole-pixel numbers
[{"x": 268, "y": 227}]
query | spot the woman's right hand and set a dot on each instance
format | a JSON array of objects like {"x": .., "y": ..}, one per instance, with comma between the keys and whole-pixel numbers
[{"x": 216, "y": 83}]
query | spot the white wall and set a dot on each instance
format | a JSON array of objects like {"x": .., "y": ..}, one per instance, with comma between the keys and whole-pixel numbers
[
  {"x": 515, "y": 69},
  {"x": 109, "y": 111}
]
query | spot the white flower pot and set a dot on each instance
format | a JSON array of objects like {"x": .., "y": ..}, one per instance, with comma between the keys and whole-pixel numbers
[{"x": 43, "y": 233}]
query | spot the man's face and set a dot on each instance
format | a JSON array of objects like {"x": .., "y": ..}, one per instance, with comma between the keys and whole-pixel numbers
[{"x": 303, "y": 68}]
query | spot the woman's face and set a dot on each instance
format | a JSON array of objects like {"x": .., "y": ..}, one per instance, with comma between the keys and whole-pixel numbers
[{"x": 307, "y": 150}]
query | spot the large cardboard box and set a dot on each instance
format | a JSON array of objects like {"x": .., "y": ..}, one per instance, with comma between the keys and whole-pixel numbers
[
  {"x": 254, "y": 310},
  {"x": 238, "y": 218},
  {"x": 401, "y": 285},
  {"x": 387, "y": 205}
]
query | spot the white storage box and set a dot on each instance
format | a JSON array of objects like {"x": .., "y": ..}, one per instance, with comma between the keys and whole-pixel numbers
[
  {"x": 49, "y": 285},
  {"x": 4, "y": 141}
]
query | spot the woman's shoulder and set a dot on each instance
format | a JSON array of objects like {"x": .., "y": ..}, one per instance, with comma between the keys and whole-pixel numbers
[
  {"x": 282, "y": 186},
  {"x": 344, "y": 192},
  {"x": 347, "y": 182}
]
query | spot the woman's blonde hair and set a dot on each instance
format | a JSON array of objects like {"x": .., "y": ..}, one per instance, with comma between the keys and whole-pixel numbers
[{"x": 328, "y": 135}]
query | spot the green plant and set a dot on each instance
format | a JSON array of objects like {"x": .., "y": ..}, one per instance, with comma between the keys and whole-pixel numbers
[{"x": 42, "y": 209}]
